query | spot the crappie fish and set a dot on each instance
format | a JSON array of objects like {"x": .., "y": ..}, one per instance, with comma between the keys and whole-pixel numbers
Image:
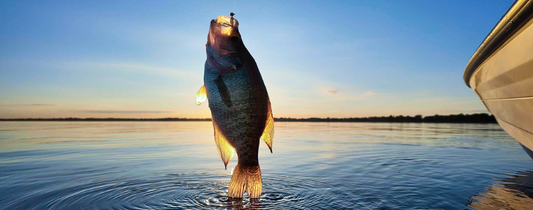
[{"x": 239, "y": 103}]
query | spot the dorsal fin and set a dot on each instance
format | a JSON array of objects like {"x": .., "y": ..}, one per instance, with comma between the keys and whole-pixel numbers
[
  {"x": 225, "y": 150},
  {"x": 268, "y": 133}
]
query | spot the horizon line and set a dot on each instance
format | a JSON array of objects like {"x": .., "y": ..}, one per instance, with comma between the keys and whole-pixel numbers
[
  {"x": 457, "y": 118},
  {"x": 208, "y": 118}
]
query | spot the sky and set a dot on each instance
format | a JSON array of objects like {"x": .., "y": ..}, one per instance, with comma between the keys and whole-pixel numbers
[{"x": 145, "y": 59}]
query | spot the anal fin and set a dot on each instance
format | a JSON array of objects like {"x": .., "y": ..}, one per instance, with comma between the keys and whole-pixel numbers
[
  {"x": 224, "y": 148},
  {"x": 268, "y": 133},
  {"x": 201, "y": 95}
]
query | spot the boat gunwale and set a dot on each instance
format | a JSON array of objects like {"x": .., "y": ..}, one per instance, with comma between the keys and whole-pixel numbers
[{"x": 512, "y": 21}]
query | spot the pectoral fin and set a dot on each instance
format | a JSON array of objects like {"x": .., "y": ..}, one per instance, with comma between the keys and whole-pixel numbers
[
  {"x": 268, "y": 133},
  {"x": 201, "y": 96},
  {"x": 223, "y": 90},
  {"x": 225, "y": 150}
]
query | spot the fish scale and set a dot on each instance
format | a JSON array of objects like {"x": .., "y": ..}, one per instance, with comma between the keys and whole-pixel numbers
[{"x": 242, "y": 123}]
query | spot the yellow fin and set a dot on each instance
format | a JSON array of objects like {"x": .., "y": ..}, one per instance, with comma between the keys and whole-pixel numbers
[
  {"x": 225, "y": 150},
  {"x": 268, "y": 133},
  {"x": 201, "y": 96}
]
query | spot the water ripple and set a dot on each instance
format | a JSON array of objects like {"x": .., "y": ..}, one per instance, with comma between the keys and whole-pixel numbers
[{"x": 314, "y": 166}]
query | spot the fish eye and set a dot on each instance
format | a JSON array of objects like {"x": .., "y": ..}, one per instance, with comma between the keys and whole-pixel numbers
[{"x": 234, "y": 39}]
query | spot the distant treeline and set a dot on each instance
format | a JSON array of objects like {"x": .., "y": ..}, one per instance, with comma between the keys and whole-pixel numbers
[
  {"x": 107, "y": 119},
  {"x": 458, "y": 118}
]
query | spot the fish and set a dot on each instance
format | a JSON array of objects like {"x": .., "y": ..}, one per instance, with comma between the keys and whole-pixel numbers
[{"x": 240, "y": 106}]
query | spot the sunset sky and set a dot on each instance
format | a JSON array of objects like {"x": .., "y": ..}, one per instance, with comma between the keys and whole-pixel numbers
[{"x": 145, "y": 59}]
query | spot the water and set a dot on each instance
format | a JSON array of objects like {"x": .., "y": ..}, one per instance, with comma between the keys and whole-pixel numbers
[{"x": 175, "y": 165}]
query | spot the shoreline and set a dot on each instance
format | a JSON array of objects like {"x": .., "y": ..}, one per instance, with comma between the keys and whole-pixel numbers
[{"x": 458, "y": 118}]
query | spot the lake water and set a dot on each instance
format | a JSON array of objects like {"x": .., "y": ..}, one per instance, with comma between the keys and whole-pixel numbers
[{"x": 175, "y": 165}]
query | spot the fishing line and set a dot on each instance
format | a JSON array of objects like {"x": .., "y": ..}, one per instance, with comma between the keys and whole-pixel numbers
[{"x": 233, "y": 13}]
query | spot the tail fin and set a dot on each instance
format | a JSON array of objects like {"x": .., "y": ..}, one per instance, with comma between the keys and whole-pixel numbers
[{"x": 245, "y": 178}]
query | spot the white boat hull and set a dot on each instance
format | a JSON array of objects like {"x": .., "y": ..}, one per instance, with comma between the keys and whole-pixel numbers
[{"x": 504, "y": 82}]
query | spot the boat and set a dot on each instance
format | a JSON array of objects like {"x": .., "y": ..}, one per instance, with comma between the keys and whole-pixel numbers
[{"x": 501, "y": 73}]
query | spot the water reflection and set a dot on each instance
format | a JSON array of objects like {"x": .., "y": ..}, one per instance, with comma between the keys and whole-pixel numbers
[
  {"x": 175, "y": 165},
  {"x": 513, "y": 192}
]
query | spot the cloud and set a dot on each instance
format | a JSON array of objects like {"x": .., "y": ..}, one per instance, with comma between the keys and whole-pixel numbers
[
  {"x": 369, "y": 93},
  {"x": 123, "y": 111},
  {"x": 343, "y": 95},
  {"x": 463, "y": 111},
  {"x": 479, "y": 110},
  {"x": 18, "y": 105},
  {"x": 330, "y": 91},
  {"x": 128, "y": 67}
]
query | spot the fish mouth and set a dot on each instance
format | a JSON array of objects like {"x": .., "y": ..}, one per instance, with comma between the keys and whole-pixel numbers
[
  {"x": 226, "y": 24},
  {"x": 224, "y": 37}
]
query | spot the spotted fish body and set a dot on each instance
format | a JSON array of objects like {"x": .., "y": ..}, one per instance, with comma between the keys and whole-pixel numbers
[
  {"x": 239, "y": 104},
  {"x": 242, "y": 114}
]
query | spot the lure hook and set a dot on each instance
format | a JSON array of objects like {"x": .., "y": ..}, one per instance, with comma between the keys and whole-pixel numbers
[{"x": 232, "y": 19}]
